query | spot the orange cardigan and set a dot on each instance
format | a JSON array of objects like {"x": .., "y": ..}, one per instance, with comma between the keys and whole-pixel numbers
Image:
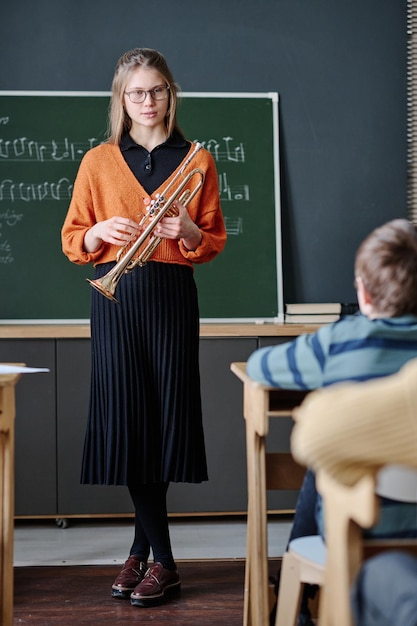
[{"x": 105, "y": 186}]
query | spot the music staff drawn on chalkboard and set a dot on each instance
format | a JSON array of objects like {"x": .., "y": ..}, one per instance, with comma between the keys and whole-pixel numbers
[
  {"x": 28, "y": 192},
  {"x": 226, "y": 153},
  {"x": 232, "y": 192},
  {"x": 24, "y": 149},
  {"x": 234, "y": 225}
]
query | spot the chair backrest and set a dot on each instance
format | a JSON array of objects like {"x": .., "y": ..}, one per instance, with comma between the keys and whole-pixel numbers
[
  {"x": 347, "y": 511},
  {"x": 398, "y": 483}
]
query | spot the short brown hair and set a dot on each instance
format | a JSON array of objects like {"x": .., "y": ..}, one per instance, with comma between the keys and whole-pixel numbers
[
  {"x": 386, "y": 261},
  {"x": 119, "y": 121}
]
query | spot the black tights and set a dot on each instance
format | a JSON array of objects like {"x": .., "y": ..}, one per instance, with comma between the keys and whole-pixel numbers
[{"x": 151, "y": 524}]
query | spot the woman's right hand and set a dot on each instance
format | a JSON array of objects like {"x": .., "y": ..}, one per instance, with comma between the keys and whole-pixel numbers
[{"x": 116, "y": 230}]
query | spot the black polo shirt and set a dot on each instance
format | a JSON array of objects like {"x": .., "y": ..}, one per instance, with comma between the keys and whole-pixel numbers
[{"x": 153, "y": 168}]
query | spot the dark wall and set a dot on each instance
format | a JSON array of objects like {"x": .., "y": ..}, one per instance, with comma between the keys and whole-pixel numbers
[{"x": 339, "y": 67}]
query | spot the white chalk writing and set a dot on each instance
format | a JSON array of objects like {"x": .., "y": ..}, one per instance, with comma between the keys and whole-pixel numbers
[
  {"x": 234, "y": 225},
  {"x": 10, "y": 217},
  {"x": 232, "y": 192},
  {"x": 225, "y": 150},
  {"x": 24, "y": 149},
  {"x": 28, "y": 192},
  {"x": 6, "y": 256}
]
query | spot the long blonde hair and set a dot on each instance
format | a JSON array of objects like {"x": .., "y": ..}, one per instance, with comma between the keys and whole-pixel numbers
[{"x": 119, "y": 122}]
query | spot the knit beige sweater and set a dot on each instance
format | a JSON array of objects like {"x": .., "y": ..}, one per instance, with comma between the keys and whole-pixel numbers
[
  {"x": 105, "y": 186},
  {"x": 349, "y": 429}
]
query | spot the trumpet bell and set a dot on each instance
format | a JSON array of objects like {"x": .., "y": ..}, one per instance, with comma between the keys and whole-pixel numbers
[{"x": 97, "y": 284}]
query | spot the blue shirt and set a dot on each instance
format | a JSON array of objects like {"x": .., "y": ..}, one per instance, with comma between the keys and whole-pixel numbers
[{"x": 352, "y": 349}]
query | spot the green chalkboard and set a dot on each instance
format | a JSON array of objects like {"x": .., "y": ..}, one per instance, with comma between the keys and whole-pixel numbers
[{"x": 43, "y": 137}]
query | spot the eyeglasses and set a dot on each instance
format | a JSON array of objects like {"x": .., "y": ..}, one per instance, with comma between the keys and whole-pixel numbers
[{"x": 139, "y": 95}]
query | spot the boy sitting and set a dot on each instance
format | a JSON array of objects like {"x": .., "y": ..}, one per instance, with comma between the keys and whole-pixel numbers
[{"x": 373, "y": 344}]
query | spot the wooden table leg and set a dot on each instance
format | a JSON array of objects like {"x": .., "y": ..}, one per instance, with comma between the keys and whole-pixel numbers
[
  {"x": 256, "y": 576},
  {"x": 7, "y": 413},
  {"x": 258, "y": 407}
]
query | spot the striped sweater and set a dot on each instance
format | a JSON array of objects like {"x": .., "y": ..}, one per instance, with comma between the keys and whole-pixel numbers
[{"x": 353, "y": 349}]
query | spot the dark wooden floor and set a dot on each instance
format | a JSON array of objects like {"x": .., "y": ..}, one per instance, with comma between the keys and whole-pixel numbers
[{"x": 211, "y": 594}]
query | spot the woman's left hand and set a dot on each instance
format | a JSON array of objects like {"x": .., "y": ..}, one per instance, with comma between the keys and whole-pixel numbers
[{"x": 180, "y": 227}]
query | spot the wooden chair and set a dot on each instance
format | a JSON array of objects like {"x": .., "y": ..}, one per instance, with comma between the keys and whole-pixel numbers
[
  {"x": 335, "y": 565},
  {"x": 282, "y": 472},
  {"x": 261, "y": 404}
]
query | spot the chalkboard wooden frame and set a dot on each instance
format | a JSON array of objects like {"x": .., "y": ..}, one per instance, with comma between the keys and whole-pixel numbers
[{"x": 39, "y": 285}]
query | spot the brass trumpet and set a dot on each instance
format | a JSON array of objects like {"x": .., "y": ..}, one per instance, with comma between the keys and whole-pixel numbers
[{"x": 139, "y": 250}]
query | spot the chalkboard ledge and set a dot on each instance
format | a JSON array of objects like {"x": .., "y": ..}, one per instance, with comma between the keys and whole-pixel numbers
[{"x": 68, "y": 331}]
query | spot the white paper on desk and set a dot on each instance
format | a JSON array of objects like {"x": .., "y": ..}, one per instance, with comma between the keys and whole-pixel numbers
[{"x": 21, "y": 369}]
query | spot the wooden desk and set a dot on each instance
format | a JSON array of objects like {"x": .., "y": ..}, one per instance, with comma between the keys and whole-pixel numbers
[
  {"x": 214, "y": 329},
  {"x": 260, "y": 403},
  {"x": 7, "y": 415}
]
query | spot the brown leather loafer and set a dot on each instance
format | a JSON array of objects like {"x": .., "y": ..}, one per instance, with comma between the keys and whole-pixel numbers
[
  {"x": 157, "y": 583},
  {"x": 132, "y": 574}
]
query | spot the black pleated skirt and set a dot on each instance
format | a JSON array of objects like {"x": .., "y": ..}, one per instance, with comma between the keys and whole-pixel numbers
[{"x": 145, "y": 420}]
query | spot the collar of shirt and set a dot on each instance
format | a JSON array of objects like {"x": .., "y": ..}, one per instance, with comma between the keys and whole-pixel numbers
[
  {"x": 152, "y": 168},
  {"x": 175, "y": 141}
]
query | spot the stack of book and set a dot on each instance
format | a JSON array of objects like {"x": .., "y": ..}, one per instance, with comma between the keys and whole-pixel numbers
[{"x": 313, "y": 313}]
